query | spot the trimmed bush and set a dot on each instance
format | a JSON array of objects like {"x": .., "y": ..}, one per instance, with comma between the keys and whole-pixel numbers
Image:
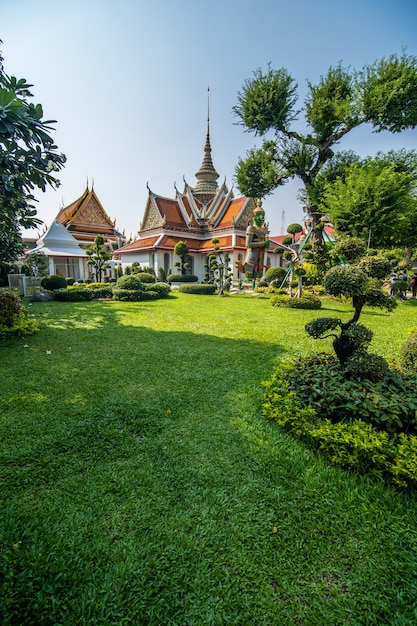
[
  {"x": 50, "y": 283},
  {"x": 10, "y": 307},
  {"x": 129, "y": 281},
  {"x": 70, "y": 281},
  {"x": 74, "y": 295},
  {"x": 305, "y": 302},
  {"x": 145, "y": 277},
  {"x": 352, "y": 444},
  {"x": 102, "y": 292},
  {"x": 182, "y": 278},
  {"x": 162, "y": 289},
  {"x": 199, "y": 288},
  {"x": 275, "y": 273},
  {"x": 127, "y": 295}
]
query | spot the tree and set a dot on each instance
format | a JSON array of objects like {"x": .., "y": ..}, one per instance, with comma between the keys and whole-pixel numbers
[
  {"x": 383, "y": 94},
  {"x": 28, "y": 161},
  {"x": 352, "y": 282},
  {"x": 182, "y": 250},
  {"x": 98, "y": 255},
  {"x": 375, "y": 199},
  {"x": 218, "y": 268}
]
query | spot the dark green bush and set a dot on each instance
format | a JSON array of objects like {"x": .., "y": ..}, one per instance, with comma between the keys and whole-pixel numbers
[
  {"x": 127, "y": 295},
  {"x": 102, "y": 292},
  {"x": 275, "y": 273},
  {"x": 365, "y": 365},
  {"x": 388, "y": 404},
  {"x": 10, "y": 307},
  {"x": 162, "y": 289},
  {"x": 145, "y": 277},
  {"x": 352, "y": 444},
  {"x": 74, "y": 295},
  {"x": 199, "y": 288},
  {"x": 182, "y": 278},
  {"x": 305, "y": 302},
  {"x": 70, "y": 281},
  {"x": 129, "y": 281},
  {"x": 409, "y": 352},
  {"x": 50, "y": 283}
]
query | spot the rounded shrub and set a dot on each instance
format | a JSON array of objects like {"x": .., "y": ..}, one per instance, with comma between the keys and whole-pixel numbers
[
  {"x": 198, "y": 288},
  {"x": 127, "y": 295},
  {"x": 305, "y": 302},
  {"x": 274, "y": 273},
  {"x": 146, "y": 277},
  {"x": 182, "y": 278},
  {"x": 130, "y": 281},
  {"x": 74, "y": 295},
  {"x": 162, "y": 289},
  {"x": 50, "y": 283},
  {"x": 10, "y": 307},
  {"x": 70, "y": 281}
]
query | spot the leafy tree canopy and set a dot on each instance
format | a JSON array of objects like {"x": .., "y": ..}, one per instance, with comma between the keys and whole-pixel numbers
[
  {"x": 383, "y": 95},
  {"x": 28, "y": 161}
]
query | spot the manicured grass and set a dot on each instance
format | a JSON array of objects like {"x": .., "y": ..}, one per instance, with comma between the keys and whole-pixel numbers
[{"x": 141, "y": 484}]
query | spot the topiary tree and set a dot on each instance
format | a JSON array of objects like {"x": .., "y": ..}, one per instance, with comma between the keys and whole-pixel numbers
[
  {"x": 98, "y": 254},
  {"x": 182, "y": 250},
  {"x": 351, "y": 282},
  {"x": 218, "y": 268}
]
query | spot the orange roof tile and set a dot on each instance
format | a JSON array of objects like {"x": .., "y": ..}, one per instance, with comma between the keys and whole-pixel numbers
[
  {"x": 170, "y": 209},
  {"x": 232, "y": 211}
]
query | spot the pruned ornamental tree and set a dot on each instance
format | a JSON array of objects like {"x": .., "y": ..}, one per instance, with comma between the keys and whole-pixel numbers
[
  {"x": 98, "y": 256},
  {"x": 28, "y": 161},
  {"x": 218, "y": 268},
  {"x": 182, "y": 250},
  {"x": 383, "y": 94},
  {"x": 349, "y": 337}
]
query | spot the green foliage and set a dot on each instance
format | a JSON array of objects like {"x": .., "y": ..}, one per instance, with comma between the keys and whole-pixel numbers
[
  {"x": 383, "y": 94},
  {"x": 267, "y": 101},
  {"x": 197, "y": 288},
  {"x": 377, "y": 266},
  {"x": 182, "y": 250},
  {"x": 38, "y": 264},
  {"x": 274, "y": 273},
  {"x": 376, "y": 200},
  {"x": 98, "y": 255},
  {"x": 28, "y": 161},
  {"x": 304, "y": 302},
  {"x": 69, "y": 281},
  {"x": 22, "y": 326},
  {"x": 74, "y": 295},
  {"x": 346, "y": 280},
  {"x": 287, "y": 241},
  {"x": 161, "y": 289},
  {"x": 388, "y": 403},
  {"x": 363, "y": 364},
  {"x": 352, "y": 443},
  {"x": 129, "y": 282},
  {"x": 10, "y": 307},
  {"x": 409, "y": 352},
  {"x": 55, "y": 281},
  {"x": 390, "y": 93},
  {"x": 127, "y": 295},
  {"x": 350, "y": 249},
  {"x": 182, "y": 278},
  {"x": 146, "y": 277},
  {"x": 294, "y": 228}
]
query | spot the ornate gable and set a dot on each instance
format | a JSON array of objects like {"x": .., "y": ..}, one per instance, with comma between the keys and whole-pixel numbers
[
  {"x": 152, "y": 218},
  {"x": 246, "y": 215}
]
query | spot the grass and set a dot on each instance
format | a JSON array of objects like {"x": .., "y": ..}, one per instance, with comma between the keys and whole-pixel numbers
[{"x": 141, "y": 484}]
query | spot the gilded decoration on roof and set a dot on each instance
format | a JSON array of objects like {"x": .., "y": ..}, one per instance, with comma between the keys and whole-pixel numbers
[{"x": 152, "y": 218}]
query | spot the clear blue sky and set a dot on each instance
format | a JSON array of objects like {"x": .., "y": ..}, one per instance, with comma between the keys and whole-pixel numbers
[{"x": 127, "y": 83}]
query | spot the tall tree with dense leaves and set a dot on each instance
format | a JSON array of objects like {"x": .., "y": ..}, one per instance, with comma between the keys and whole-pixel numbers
[
  {"x": 383, "y": 95},
  {"x": 28, "y": 161}
]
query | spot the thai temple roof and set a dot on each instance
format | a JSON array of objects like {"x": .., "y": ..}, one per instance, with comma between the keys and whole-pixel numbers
[{"x": 57, "y": 241}]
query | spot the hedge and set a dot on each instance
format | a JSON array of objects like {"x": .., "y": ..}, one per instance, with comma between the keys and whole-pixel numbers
[{"x": 198, "y": 288}]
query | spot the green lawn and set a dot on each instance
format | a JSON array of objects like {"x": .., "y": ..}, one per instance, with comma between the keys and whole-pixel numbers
[{"x": 142, "y": 485}]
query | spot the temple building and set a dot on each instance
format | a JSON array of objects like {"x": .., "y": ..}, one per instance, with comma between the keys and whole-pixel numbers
[
  {"x": 196, "y": 216},
  {"x": 85, "y": 218}
]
